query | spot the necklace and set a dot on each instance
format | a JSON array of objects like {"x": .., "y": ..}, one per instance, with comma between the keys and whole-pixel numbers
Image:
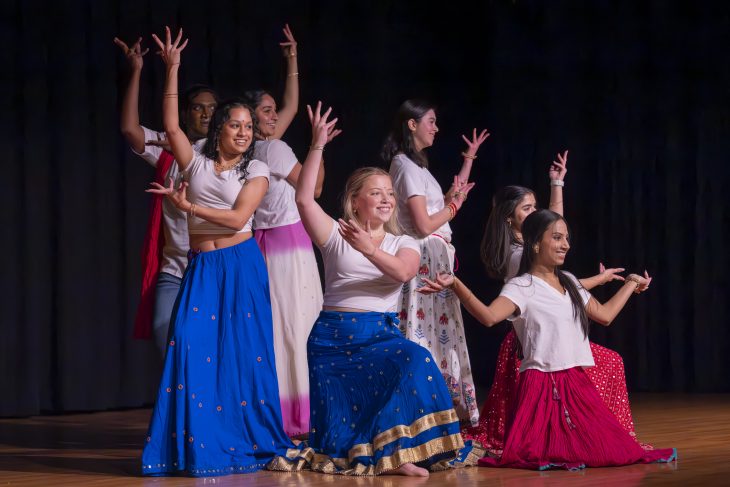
[{"x": 221, "y": 168}]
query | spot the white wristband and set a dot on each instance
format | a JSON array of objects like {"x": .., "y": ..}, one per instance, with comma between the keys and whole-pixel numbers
[{"x": 557, "y": 182}]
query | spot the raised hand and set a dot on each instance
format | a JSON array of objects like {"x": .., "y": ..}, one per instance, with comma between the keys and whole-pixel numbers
[
  {"x": 458, "y": 192},
  {"x": 357, "y": 237},
  {"x": 608, "y": 275},
  {"x": 558, "y": 169},
  {"x": 134, "y": 53},
  {"x": 333, "y": 132},
  {"x": 177, "y": 196},
  {"x": 472, "y": 145},
  {"x": 289, "y": 47},
  {"x": 170, "y": 51},
  {"x": 321, "y": 126}
]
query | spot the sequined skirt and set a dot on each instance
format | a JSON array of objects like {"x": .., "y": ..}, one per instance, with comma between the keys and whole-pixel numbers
[
  {"x": 217, "y": 409},
  {"x": 378, "y": 400}
]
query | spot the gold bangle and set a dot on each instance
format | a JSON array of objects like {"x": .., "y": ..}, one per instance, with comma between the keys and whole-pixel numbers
[
  {"x": 169, "y": 95},
  {"x": 468, "y": 156},
  {"x": 316, "y": 147},
  {"x": 292, "y": 74},
  {"x": 292, "y": 54},
  {"x": 636, "y": 281}
]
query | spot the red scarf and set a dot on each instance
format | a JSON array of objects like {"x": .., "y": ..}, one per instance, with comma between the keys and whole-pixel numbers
[{"x": 152, "y": 254}]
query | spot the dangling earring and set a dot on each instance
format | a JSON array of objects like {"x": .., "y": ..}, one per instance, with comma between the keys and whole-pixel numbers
[
  {"x": 536, "y": 248},
  {"x": 509, "y": 223}
]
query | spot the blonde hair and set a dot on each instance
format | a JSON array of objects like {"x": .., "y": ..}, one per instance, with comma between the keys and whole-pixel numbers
[{"x": 354, "y": 185}]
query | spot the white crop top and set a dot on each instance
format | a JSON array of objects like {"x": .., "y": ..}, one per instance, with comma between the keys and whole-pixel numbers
[
  {"x": 552, "y": 338},
  {"x": 278, "y": 208},
  {"x": 410, "y": 179},
  {"x": 219, "y": 191},
  {"x": 352, "y": 281}
]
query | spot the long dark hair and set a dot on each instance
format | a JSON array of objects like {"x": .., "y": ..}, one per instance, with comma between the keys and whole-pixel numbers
[
  {"x": 187, "y": 99},
  {"x": 400, "y": 137},
  {"x": 533, "y": 228},
  {"x": 221, "y": 115},
  {"x": 498, "y": 235},
  {"x": 253, "y": 98}
]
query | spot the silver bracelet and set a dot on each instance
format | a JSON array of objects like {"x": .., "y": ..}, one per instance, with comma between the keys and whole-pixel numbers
[{"x": 557, "y": 182}]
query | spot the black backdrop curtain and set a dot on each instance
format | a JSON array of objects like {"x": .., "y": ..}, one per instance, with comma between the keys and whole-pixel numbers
[{"x": 638, "y": 91}]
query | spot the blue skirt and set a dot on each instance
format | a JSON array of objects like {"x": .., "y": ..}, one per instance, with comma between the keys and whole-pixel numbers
[
  {"x": 217, "y": 409},
  {"x": 377, "y": 399}
]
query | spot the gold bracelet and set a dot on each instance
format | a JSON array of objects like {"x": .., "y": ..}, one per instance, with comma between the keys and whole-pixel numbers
[
  {"x": 169, "y": 95},
  {"x": 316, "y": 147},
  {"x": 292, "y": 54},
  {"x": 192, "y": 210},
  {"x": 634, "y": 280},
  {"x": 292, "y": 74},
  {"x": 468, "y": 156}
]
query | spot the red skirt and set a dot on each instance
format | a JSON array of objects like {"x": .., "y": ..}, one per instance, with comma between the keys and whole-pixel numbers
[
  {"x": 608, "y": 377},
  {"x": 560, "y": 421}
]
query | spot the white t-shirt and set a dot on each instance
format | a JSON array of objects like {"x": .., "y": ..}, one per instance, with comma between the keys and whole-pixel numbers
[
  {"x": 220, "y": 191},
  {"x": 409, "y": 179},
  {"x": 278, "y": 208},
  {"x": 352, "y": 281},
  {"x": 175, "y": 222},
  {"x": 552, "y": 338}
]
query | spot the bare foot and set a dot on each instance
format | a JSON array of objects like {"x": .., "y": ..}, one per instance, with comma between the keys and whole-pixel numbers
[{"x": 410, "y": 470}]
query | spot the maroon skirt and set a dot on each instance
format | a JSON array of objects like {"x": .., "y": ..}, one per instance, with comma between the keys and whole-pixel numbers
[{"x": 560, "y": 421}]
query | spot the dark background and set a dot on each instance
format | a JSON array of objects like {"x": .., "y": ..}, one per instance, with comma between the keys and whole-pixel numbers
[{"x": 637, "y": 90}]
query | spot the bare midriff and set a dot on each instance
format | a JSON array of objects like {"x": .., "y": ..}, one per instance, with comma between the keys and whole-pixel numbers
[
  {"x": 345, "y": 310},
  {"x": 207, "y": 242}
]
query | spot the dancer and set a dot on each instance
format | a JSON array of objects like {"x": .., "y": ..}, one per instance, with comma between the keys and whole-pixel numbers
[
  {"x": 296, "y": 291},
  {"x": 217, "y": 409},
  {"x": 433, "y": 321},
  {"x": 378, "y": 402},
  {"x": 501, "y": 253},
  {"x": 559, "y": 419},
  {"x": 164, "y": 255}
]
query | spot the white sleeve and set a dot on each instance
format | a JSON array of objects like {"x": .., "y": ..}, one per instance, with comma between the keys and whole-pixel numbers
[
  {"x": 194, "y": 163},
  {"x": 151, "y": 152},
  {"x": 408, "y": 242},
  {"x": 257, "y": 169},
  {"x": 407, "y": 179},
  {"x": 280, "y": 158},
  {"x": 516, "y": 291},
  {"x": 333, "y": 241}
]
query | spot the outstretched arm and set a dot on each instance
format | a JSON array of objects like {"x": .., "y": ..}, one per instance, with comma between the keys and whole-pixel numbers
[
  {"x": 605, "y": 313},
  {"x": 499, "y": 310},
  {"x": 290, "y": 100},
  {"x": 604, "y": 275},
  {"x": 170, "y": 53},
  {"x": 317, "y": 223},
  {"x": 129, "y": 121},
  {"x": 557, "y": 173}
]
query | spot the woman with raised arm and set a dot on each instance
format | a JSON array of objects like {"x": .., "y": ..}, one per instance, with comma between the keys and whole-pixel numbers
[
  {"x": 378, "y": 402},
  {"x": 501, "y": 253},
  {"x": 164, "y": 255},
  {"x": 296, "y": 289},
  {"x": 217, "y": 409},
  {"x": 433, "y": 321},
  {"x": 559, "y": 419}
]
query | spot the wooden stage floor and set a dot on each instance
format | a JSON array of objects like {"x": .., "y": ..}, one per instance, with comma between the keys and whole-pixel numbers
[{"x": 102, "y": 449}]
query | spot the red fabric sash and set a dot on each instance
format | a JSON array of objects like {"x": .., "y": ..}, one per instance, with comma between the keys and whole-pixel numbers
[{"x": 152, "y": 254}]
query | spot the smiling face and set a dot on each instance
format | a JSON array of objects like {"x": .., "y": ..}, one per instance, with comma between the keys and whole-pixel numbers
[
  {"x": 423, "y": 130},
  {"x": 554, "y": 245},
  {"x": 267, "y": 116},
  {"x": 527, "y": 205},
  {"x": 199, "y": 114},
  {"x": 375, "y": 202},
  {"x": 237, "y": 133}
]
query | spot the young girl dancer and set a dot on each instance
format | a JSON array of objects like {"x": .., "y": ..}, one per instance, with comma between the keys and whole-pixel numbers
[
  {"x": 433, "y": 321},
  {"x": 217, "y": 409},
  {"x": 559, "y": 419},
  {"x": 378, "y": 402}
]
